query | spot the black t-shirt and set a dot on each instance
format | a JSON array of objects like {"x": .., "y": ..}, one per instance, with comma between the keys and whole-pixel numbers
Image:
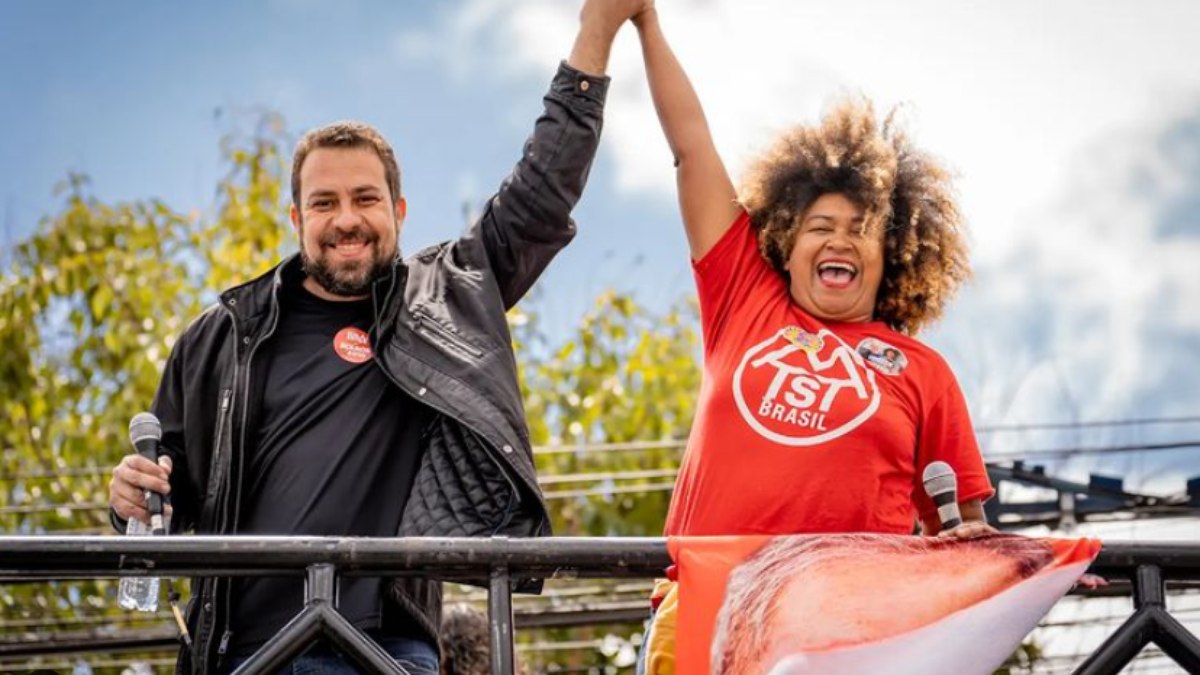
[{"x": 334, "y": 450}]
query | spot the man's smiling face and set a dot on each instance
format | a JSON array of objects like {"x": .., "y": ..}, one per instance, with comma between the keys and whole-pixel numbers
[{"x": 347, "y": 222}]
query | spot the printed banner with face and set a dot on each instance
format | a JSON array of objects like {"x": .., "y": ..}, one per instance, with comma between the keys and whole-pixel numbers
[{"x": 864, "y": 603}]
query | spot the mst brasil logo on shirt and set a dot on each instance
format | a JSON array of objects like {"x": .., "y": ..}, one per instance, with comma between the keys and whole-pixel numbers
[{"x": 800, "y": 388}]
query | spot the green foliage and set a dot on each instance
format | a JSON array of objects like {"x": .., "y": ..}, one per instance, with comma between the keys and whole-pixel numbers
[
  {"x": 92, "y": 302},
  {"x": 83, "y": 323},
  {"x": 248, "y": 235},
  {"x": 90, "y": 305},
  {"x": 625, "y": 375}
]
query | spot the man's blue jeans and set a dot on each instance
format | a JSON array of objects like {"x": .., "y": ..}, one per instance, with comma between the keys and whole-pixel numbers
[{"x": 415, "y": 656}]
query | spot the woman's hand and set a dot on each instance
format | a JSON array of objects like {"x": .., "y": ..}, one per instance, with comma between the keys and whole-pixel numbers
[{"x": 971, "y": 529}]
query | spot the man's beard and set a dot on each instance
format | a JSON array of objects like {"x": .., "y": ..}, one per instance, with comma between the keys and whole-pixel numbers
[{"x": 352, "y": 278}]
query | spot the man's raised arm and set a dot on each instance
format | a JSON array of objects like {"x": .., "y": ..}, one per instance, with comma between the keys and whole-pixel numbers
[{"x": 528, "y": 220}]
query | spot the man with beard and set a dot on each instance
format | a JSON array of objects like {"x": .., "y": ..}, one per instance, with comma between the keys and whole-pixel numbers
[{"x": 352, "y": 392}]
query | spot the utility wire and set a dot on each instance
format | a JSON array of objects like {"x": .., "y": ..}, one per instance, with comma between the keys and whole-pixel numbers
[
  {"x": 590, "y": 448},
  {"x": 1055, "y": 453},
  {"x": 58, "y": 665},
  {"x": 1063, "y": 453},
  {"x": 678, "y": 443},
  {"x": 609, "y": 491},
  {"x": 1047, "y": 426},
  {"x": 1041, "y": 453},
  {"x": 606, "y": 475},
  {"x": 551, "y": 598}
]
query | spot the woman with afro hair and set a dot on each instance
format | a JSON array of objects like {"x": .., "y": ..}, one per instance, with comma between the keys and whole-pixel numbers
[{"x": 819, "y": 410}]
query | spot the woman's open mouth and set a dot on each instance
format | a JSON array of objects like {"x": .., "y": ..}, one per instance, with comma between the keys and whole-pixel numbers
[{"x": 836, "y": 273}]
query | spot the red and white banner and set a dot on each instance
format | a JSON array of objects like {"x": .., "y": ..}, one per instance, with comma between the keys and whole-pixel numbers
[{"x": 864, "y": 603}]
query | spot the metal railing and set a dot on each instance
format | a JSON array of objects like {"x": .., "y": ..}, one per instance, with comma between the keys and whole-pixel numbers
[{"x": 1144, "y": 569}]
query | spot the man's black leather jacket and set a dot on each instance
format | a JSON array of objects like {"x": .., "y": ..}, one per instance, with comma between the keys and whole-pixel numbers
[{"x": 441, "y": 336}]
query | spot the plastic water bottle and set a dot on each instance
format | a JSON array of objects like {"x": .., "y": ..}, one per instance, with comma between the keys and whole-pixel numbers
[
  {"x": 138, "y": 593},
  {"x": 141, "y": 593}
]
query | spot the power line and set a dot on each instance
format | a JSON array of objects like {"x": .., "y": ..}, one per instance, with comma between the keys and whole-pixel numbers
[
  {"x": 84, "y": 620},
  {"x": 551, "y": 594},
  {"x": 551, "y": 597},
  {"x": 41, "y": 508},
  {"x": 1114, "y": 619},
  {"x": 679, "y": 443},
  {"x": 607, "y": 475},
  {"x": 1151, "y": 657},
  {"x": 609, "y": 491},
  {"x": 73, "y": 472},
  {"x": 1063, "y": 453},
  {"x": 1047, "y": 426},
  {"x": 646, "y": 474},
  {"x": 68, "y": 665},
  {"x": 589, "y": 448},
  {"x": 1049, "y": 453}
]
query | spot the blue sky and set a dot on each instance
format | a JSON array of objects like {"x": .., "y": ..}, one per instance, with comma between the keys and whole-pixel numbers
[
  {"x": 1074, "y": 127},
  {"x": 129, "y": 94}
]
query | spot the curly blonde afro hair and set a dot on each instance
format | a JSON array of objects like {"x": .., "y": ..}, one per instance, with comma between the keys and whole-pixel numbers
[{"x": 900, "y": 188}]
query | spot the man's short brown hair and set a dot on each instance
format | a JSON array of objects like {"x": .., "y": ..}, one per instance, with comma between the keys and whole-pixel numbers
[{"x": 346, "y": 135}]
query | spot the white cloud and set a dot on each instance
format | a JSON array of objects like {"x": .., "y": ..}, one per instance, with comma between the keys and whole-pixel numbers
[
  {"x": 1117, "y": 285},
  {"x": 1004, "y": 91},
  {"x": 1096, "y": 313},
  {"x": 1053, "y": 114}
]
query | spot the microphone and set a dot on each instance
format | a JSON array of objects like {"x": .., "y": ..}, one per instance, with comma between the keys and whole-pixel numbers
[
  {"x": 942, "y": 488},
  {"x": 145, "y": 432}
]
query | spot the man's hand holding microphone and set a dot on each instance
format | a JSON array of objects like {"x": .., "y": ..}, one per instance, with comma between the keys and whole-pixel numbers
[
  {"x": 141, "y": 482},
  {"x": 136, "y": 494}
]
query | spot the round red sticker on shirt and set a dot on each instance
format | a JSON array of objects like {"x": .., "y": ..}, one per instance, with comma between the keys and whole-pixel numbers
[{"x": 352, "y": 345}]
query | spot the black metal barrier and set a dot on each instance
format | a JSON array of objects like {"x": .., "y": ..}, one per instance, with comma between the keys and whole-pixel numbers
[{"x": 496, "y": 563}]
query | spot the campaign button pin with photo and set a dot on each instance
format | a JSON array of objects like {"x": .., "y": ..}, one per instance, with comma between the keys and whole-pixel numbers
[
  {"x": 353, "y": 345},
  {"x": 882, "y": 356}
]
